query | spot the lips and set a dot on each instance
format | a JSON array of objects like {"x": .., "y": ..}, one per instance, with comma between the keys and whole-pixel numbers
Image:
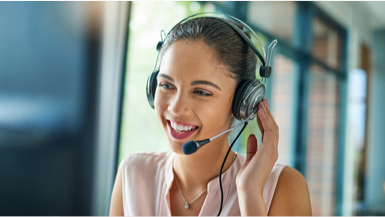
[{"x": 179, "y": 136}]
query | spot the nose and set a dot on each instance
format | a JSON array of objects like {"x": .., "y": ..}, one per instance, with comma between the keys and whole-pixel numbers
[{"x": 179, "y": 105}]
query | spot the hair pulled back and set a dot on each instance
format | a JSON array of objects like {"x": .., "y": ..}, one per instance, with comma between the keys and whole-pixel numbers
[{"x": 229, "y": 48}]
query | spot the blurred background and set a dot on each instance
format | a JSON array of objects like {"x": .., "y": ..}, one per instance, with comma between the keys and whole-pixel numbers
[{"x": 73, "y": 103}]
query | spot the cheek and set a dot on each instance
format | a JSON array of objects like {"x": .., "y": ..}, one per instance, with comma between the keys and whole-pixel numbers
[
  {"x": 160, "y": 99},
  {"x": 216, "y": 115},
  {"x": 159, "y": 104}
]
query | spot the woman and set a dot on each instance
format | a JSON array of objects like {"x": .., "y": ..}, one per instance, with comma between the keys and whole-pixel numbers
[{"x": 202, "y": 62}]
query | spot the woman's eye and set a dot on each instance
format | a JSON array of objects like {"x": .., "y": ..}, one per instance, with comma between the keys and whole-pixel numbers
[
  {"x": 203, "y": 93},
  {"x": 199, "y": 92},
  {"x": 165, "y": 86}
]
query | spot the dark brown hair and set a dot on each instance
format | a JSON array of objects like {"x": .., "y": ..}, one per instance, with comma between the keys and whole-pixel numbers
[{"x": 229, "y": 48}]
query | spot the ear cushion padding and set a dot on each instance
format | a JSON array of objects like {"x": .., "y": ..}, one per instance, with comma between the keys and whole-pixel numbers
[
  {"x": 151, "y": 88},
  {"x": 239, "y": 97}
]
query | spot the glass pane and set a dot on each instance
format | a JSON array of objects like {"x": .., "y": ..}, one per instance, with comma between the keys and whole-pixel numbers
[
  {"x": 326, "y": 44},
  {"x": 277, "y": 18},
  {"x": 282, "y": 104},
  {"x": 356, "y": 115},
  {"x": 322, "y": 140}
]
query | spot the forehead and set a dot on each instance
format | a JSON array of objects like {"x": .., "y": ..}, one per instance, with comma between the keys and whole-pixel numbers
[{"x": 187, "y": 60}]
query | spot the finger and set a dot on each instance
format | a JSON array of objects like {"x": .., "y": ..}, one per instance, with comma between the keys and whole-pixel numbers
[
  {"x": 266, "y": 122},
  {"x": 260, "y": 124},
  {"x": 262, "y": 106},
  {"x": 259, "y": 121},
  {"x": 275, "y": 125},
  {"x": 271, "y": 131},
  {"x": 252, "y": 147},
  {"x": 269, "y": 112}
]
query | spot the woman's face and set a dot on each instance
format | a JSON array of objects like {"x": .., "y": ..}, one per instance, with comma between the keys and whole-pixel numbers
[{"x": 194, "y": 94}]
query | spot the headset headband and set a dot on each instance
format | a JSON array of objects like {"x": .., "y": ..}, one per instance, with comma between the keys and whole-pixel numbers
[
  {"x": 265, "y": 69},
  {"x": 222, "y": 17}
]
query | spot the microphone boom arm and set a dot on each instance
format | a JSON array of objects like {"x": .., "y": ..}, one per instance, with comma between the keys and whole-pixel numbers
[
  {"x": 233, "y": 128},
  {"x": 192, "y": 146}
]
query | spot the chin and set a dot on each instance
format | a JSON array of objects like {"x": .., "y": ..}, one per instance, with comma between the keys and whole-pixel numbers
[{"x": 177, "y": 148}]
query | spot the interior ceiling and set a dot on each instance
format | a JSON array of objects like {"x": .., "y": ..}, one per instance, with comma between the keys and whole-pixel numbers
[{"x": 377, "y": 8}]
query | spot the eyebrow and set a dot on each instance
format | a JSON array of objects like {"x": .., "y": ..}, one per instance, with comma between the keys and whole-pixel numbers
[
  {"x": 167, "y": 77},
  {"x": 194, "y": 82},
  {"x": 206, "y": 83}
]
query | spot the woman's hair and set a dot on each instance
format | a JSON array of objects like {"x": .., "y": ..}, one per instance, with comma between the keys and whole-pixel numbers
[{"x": 230, "y": 50}]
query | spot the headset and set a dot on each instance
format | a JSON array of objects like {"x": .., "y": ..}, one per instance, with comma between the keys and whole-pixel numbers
[
  {"x": 249, "y": 92},
  {"x": 247, "y": 95}
]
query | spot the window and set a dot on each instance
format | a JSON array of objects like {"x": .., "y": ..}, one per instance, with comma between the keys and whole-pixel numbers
[
  {"x": 326, "y": 44},
  {"x": 322, "y": 140},
  {"x": 283, "y": 104}
]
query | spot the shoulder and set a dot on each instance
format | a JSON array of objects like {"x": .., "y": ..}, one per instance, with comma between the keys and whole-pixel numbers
[
  {"x": 136, "y": 171},
  {"x": 291, "y": 195},
  {"x": 130, "y": 170},
  {"x": 145, "y": 165},
  {"x": 145, "y": 160}
]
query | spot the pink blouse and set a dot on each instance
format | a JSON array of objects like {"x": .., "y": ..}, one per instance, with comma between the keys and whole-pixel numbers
[{"x": 148, "y": 176}]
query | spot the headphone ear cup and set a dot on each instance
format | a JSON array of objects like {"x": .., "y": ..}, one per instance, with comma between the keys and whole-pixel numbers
[
  {"x": 247, "y": 97},
  {"x": 238, "y": 98},
  {"x": 151, "y": 88}
]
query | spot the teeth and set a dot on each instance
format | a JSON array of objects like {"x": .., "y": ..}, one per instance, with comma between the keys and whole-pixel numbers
[{"x": 180, "y": 128}]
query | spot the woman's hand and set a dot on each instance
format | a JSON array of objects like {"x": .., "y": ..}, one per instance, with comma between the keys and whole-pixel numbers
[{"x": 259, "y": 162}]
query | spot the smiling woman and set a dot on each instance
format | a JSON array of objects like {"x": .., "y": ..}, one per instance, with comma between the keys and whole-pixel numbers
[{"x": 203, "y": 64}]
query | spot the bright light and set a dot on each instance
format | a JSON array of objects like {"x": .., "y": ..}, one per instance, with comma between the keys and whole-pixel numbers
[{"x": 195, "y": 7}]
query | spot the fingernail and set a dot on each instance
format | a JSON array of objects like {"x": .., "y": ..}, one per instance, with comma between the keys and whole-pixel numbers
[
  {"x": 264, "y": 103},
  {"x": 267, "y": 102}
]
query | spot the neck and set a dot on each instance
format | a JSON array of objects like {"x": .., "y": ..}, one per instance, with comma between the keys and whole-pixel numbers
[{"x": 197, "y": 170}]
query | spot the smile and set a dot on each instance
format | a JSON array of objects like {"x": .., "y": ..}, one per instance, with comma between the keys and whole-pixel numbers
[{"x": 180, "y": 131}]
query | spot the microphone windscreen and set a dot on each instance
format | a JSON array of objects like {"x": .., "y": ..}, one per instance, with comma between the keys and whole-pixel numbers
[{"x": 189, "y": 147}]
